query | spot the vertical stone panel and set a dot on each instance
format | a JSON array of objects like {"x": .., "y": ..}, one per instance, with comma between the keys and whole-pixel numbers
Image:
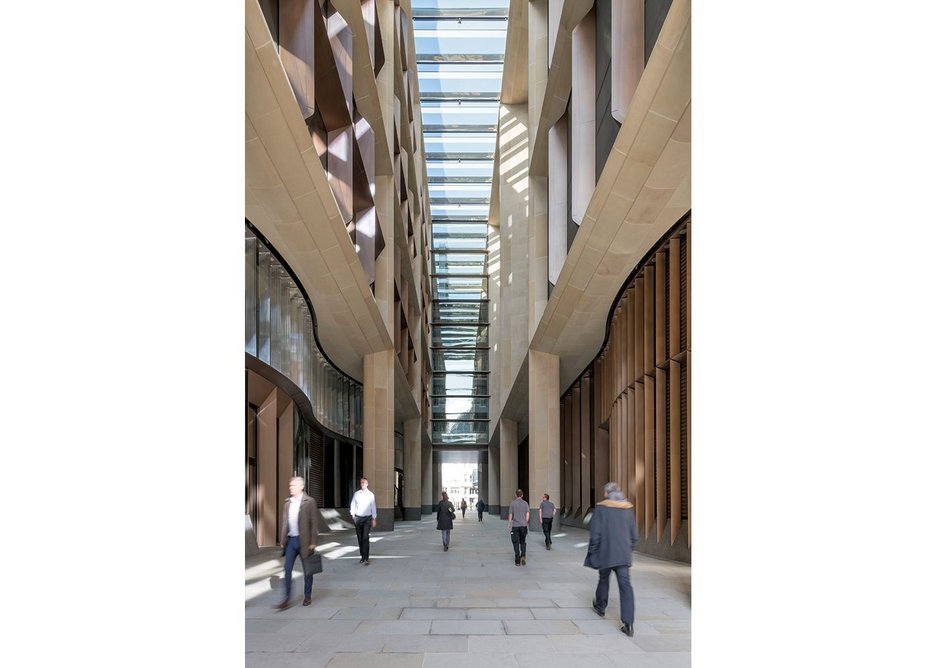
[
  {"x": 379, "y": 433},
  {"x": 627, "y": 53},
  {"x": 582, "y": 116},
  {"x": 508, "y": 458},
  {"x": 675, "y": 513},
  {"x": 413, "y": 466},
  {"x": 573, "y": 493},
  {"x": 544, "y": 424},
  {"x": 586, "y": 429}
]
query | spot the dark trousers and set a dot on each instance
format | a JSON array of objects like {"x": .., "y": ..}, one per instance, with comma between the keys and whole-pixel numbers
[
  {"x": 363, "y": 529},
  {"x": 480, "y": 515},
  {"x": 519, "y": 538},
  {"x": 547, "y": 528},
  {"x": 463, "y": 513},
  {"x": 292, "y": 551},
  {"x": 625, "y": 593}
]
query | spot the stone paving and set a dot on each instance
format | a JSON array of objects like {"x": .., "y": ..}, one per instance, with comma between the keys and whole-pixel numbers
[{"x": 416, "y": 605}]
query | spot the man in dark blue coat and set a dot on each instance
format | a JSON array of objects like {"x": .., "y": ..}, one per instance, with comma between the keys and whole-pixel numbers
[{"x": 612, "y": 535}]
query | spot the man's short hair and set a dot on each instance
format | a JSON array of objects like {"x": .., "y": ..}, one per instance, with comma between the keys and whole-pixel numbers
[
  {"x": 612, "y": 487},
  {"x": 546, "y": 496},
  {"x": 300, "y": 479},
  {"x": 363, "y": 478},
  {"x": 519, "y": 493}
]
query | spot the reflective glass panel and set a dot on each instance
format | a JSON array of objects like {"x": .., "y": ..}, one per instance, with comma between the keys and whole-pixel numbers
[
  {"x": 461, "y": 287},
  {"x": 460, "y": 384},
  {"x": 460, "y": 336},
  {"x": 473, "y": 264},
  {"x": 468, "y": 360},
  {"x": 460, "y": 312},
  {"x": 468, "y": 145},
  {"x": 460, "y": 236},
  {"x": 473, "y": 212},
  {"x": 460, "y": 433},
  {"x": 460, "y": 408}
]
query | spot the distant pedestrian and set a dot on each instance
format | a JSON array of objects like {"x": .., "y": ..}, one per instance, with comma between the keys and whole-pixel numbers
[
  {"x": 518, "y": 519},
  {"x": 364, "y": 513},
  {"x": 612, "y": 535},
  {"x": 547, "y": 510},
  {"x": 298, "y": 538},
  {"x": 444, "y": 516},
  {"x": 481, "y": 508},
  {"x": 463, "y": 506}
]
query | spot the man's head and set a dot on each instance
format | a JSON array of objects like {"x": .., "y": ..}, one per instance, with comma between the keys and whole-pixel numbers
[
  {"x": 364, "y": 483},
  {"x": 519, "y": 493},
  {"x": 611, "y": 488},
  {"x": 297, "y": 485}
]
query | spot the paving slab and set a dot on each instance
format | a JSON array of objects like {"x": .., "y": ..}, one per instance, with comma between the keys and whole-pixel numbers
[{"x": 416, "y": 605}]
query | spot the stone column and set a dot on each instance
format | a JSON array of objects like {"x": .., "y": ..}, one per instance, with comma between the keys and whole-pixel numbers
[
  {"x": 427, "y": 482},
  {"x": 379, "y": 433},
  {"x": 412, "y": 469},
  {"x": 494, "y": 480},
  {"x": 544, "y": 432},
  {"x": 508, "y": 465}
]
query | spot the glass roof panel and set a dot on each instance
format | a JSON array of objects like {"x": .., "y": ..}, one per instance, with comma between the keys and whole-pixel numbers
[
  {"x": 459, "y": 171},
  {"x": 459, "y": 40},
  {"x": 469, "y": 212},
  {"x": 454, "y": 193},
  {"x": 464, "y": 360},
  {"x": 459, "y": 144},
  {"x": 457, "y": 80},
  {"x": 460, "y": 236},
  {"x": 460, "y": 8},
  {"x": 455, "y": 116},
  {"x": 460, "y": 384}
]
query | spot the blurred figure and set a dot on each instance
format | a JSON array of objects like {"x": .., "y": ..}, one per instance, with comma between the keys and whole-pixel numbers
[
  {"x": 444, "y": 516},
  {"x": 298, "y": 537},
  {"x": 364, "y": 513},
  {"x": 518, "y": 519},
  {"x": 547, "y": 511},
  {"x": 463, "y": 506},
  {"x": 481, "y": 508},
  {"x": 612, "y": 535}
]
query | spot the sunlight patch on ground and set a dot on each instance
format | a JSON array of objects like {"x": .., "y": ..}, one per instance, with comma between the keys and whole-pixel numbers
[{"x": 337, "y": 553}]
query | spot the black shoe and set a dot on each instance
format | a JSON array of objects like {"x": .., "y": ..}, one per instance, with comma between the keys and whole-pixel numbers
[
  {"x": 548, "y": 546},
  {"x": 523, "y": 561},
  {"x": 600, "y": 613},
  {"x": 367, "y": 562},
  {"x": 445, "y": 548},
  {"x": 628, "y": 630},
  {"x": 517, "y": 562},
  {"x": 361, "y": 561}
]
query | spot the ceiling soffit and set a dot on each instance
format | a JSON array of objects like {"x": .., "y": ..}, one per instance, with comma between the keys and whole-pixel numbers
[{"x": 643, "y": 190}]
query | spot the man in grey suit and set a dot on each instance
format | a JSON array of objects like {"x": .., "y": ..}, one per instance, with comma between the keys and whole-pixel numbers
[
  {"x": 613, "y": 533},
  {"x": 298, "y": 538}
]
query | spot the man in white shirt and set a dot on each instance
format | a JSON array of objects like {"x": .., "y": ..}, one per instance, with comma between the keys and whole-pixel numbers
[{"x": 364, "y": 514}]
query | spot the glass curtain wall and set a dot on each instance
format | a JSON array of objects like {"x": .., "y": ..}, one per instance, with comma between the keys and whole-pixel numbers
[
  {"x": 460, "y": 58},
  {"x": 279, "y": 331}
]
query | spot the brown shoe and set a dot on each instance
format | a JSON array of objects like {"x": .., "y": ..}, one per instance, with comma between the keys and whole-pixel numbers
[
  {"x": 283, "y": 605},
  {"x": 523, "y": 561},
  {"x": 307, "y": 600}
]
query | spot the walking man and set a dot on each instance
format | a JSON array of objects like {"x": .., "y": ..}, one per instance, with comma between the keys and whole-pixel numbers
[
  {"x": 298, "y": 537},
  {"x": 612, "y": 535},
  {"x": 481, "y": 508},
  {"x": 463, "y": 506},
  {"x": 364, "y": 513},
  {"x": 518, "y": 518},
  {"x": 547, "y": 511}
]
